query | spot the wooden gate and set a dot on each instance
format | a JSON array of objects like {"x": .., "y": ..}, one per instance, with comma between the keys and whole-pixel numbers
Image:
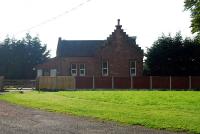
[
  {"x": 1, "y": 82},
  {"x": 19, "y": 84}
]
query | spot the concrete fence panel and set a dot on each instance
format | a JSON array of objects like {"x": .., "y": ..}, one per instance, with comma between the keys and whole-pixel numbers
[
  {"x": 179, "y": 82},
  {"x": 195, "y": 82},
  {"x": 103, "y": 82},
  {"x": 122, "y": 82},
  {"x": 142, "y": 82},
  {"x": 84, "y": 82},
  {"x": 160, "y": 82}
]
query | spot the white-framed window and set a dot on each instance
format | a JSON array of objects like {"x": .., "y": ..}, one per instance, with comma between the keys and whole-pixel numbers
[
  {"x": 132, "y": 68},
  {"x": 39, "y": 72},
  {"x": 53, "y": 72},
  {"x": 74, "y": 69},
  {"x": 104, "y": 68},
  {"x": 82, "y": 69},
  {"x": 46, "y": 72}
]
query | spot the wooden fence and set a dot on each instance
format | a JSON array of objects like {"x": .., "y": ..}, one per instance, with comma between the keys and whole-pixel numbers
[
  {"x": 19, "y": 84},
  {"x": 58, "y": 82},
  {"x": 143, "y": 82},
  {"x": 1, "y": 82}
]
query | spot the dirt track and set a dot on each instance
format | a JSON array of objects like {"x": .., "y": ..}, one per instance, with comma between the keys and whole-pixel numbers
[{"x": 19, "y": 120}]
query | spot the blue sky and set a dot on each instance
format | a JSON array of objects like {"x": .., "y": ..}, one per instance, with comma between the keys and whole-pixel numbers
[{"x": 95, "y": 19}]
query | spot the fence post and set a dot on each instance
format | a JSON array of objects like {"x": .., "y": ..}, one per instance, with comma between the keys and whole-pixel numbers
[
  {"x": 112, "y": 82},
  {"x": 131, "y": 82},
  {"x": 170, "y": 82},
  {"x": 190, "y": 82},
  {"x": 75, "y": 83},
  {"x": 150, "y": 82},
  {"x": 93, "y": 82}
]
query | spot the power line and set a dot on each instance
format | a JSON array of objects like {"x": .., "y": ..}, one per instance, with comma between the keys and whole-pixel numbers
[{"x": 54, "y": 18}]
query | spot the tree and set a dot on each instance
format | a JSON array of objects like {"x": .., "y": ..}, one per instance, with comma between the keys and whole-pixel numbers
[
  {"x": 194, "y": 7},
  {"x": 18, "y": 58},
  {"x": 173, "y": 56}
]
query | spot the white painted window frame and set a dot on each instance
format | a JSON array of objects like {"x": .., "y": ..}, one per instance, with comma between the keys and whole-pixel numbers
[
  {"x": 82, "y": 69},
  {"x": 106, "y": 68},
  {"x": 39, "y": 72},
  {"x": 133, "y": 68},
  {"x": 73, "y": 69},
  {"x": 53, "y": 72}
]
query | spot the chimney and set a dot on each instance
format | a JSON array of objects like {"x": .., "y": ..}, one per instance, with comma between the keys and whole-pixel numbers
[
  {"x": 59, "y": 39},
  {"x": 118, "y": 26}
]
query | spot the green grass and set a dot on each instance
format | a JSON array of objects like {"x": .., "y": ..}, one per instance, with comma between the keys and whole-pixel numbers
[{"x": 171, "y": 110}]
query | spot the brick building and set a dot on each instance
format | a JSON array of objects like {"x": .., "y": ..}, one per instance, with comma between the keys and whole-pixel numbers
[{"x": 117, "y": 56}]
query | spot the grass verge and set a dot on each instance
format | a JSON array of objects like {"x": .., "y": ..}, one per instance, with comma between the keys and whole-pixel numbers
[{"x": 171, "y": 110}]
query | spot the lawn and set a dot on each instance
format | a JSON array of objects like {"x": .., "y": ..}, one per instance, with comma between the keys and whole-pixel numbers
[{"x": 171, "y": 110}]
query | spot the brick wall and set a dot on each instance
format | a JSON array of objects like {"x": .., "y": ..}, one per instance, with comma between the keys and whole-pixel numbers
[{"x": 118, "y": 50}]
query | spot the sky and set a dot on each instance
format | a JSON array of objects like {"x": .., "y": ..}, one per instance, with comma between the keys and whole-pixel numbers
[{"x": 93, "y": 20}]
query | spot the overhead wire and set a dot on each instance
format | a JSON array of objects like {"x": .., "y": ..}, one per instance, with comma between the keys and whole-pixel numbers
[{"x": 53, "y": 18}]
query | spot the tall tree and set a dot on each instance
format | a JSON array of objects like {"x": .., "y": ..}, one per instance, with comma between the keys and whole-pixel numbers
[
  {"x": 194, "y": 7},
  {"x": 19, "y": 57},
  {"x": 173, "y": 56}
]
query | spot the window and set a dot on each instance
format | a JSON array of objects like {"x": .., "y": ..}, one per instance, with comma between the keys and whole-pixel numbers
[
  {"x": 53, "y": 72},
  {"x": 39, "y": 72},
  {"x": 82, "y": 69},
  {"x": 46, "y": 72},
  {"x": 105, "y": 68},
  {"x": 73, "y": 69},
  {"x": 132, "y": 68}
]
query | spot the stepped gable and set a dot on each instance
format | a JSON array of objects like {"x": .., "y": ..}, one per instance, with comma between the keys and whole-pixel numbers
[
  {"x": 88, "y": 48},
  {"x": 130, "y": 40}
]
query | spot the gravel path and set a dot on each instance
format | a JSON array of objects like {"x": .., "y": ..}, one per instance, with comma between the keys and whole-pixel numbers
[{"x": 19, "y": 120}]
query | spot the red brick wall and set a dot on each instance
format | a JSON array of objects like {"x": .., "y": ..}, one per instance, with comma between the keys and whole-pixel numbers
[
  {"x": 118, "y": 64},
  {"x": 119, "y": 52},
  {"x": 63, "y": 65}
]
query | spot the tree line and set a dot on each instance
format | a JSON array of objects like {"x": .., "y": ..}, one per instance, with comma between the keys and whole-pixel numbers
[
  {"x": 18, "y": 58},
  {"x": 175, "y": 55},
  {"x": 167, "y": 56}
]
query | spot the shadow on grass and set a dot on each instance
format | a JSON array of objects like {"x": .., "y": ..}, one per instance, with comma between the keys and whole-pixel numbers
[{"x": 101, "y": 89}]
